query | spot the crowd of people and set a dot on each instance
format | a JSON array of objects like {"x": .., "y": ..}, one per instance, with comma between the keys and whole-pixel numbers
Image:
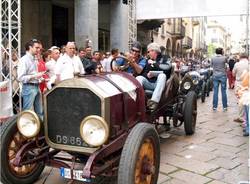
[{"x": 39, "y": 70}]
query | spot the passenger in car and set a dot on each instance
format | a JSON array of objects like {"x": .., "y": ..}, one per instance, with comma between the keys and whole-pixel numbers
[{"x": 154, "y": 75}]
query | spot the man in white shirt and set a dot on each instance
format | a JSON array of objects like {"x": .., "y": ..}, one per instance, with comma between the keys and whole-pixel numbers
[
  {"x": 107, "y": 62},
  {"x": 69, "y": 64},
  {"x": 51, "y": 65}
]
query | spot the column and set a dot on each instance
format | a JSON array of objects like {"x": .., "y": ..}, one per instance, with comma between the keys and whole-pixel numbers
[
  {"x": 119, "y": 25},
  {"x": 45, "y": 23},
  {"x": 86, "y": 22}
]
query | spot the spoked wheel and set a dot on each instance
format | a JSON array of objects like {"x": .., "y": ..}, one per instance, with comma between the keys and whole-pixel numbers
[
  {"x": 190, "y": 113},
  {"x": 140, "y": 159},
  {"x": 145, "y": 163},
  {"x": 11, "y": 142}
]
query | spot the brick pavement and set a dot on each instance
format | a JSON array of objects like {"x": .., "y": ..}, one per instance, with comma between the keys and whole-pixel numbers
[{"x": 216, "y": 154}]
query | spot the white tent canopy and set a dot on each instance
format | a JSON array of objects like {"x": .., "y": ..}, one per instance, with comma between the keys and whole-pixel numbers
[{"x": 160, "y": 9}]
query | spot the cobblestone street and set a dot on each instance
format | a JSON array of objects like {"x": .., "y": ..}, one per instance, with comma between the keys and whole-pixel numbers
[{"x": 216, "y": 154}]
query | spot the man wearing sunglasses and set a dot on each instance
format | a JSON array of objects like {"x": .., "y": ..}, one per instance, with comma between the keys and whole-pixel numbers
[{"x": 136, "y": 61}]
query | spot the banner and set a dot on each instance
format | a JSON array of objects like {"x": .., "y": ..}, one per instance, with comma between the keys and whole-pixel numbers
[
  {"x": 6, "y": 109},
  {"x": 161, "y": 9}
]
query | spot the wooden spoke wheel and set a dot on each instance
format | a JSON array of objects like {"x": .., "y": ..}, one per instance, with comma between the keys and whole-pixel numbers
[
  {"x": 145, "y": 165},
  {"x": 140, "y": 158},
  {"x": 17, "y": 141},
  {"x": 11, "y": 142}
]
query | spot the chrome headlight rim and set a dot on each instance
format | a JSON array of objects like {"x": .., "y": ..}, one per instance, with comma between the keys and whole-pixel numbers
[
  {"x": 195, "y": 82},
  {"x": 36, "y": 120},
  {"x": 104, "y": 124}
]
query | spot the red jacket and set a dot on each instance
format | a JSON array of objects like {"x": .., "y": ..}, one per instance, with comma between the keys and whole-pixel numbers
[{"x": 41, "y": 68}]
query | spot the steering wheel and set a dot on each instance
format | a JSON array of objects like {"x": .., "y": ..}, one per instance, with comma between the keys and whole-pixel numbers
[{"x": 114, "y": 66}]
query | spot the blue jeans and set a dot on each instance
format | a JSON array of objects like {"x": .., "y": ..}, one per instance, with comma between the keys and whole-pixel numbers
[
  {"x": 246, "y": 108},
  {"x": 221, "y": 79},
  {"x": 157, "y": 87},
  {"x": 32, "y": 98}
]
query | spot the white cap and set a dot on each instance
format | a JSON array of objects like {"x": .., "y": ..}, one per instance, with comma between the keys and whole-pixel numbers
[{"x": 53, "y": 47}]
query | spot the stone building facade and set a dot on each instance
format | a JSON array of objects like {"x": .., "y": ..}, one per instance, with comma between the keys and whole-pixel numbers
[{"x": 104, "y": 22}]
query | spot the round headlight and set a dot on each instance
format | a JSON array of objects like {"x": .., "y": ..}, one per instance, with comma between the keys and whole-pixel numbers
[
  {"x": 187, "y": 85},
  {"x": 94, "y": 130},
  {"x": 195, "y": 81},
  {"x": 28, "y": 124}
]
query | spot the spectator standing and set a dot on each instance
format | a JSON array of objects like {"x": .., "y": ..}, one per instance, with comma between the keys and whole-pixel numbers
[
  {"x": 29, "y": 76},
  {"x": 62, "y": 50},
  {"x": 238, "y": 70},
  {"x": 218, "y": 64},
  {"x": 15, "y": 84},
  {"x": 68, "y": 65},
  {"x": 244, "y": 95},
  {"x": 42, "y": 57},
  {"x": 86, "y": 60},
  {"x": 231, "y": 78},
  {"x": 107, "y": 62},
  {"x": 96, "y": 62},
  {"x": 51, "y": 65}
]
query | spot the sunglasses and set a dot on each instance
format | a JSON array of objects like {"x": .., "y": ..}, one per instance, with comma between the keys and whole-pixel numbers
[{"x": 133, "y": 50}]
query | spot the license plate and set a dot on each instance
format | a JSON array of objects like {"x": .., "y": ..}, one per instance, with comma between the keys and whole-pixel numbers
[{"x": 77, "y": 174}]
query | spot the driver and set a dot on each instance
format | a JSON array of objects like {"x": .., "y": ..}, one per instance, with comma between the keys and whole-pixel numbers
[
  {"x": 136, "y": 62},
  {"x": 154, "y": 75}
]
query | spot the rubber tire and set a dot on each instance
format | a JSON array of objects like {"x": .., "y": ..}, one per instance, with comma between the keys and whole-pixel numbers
[
  {"x": 208, "y": 88},
  {"x": 211, "y": 84},
  {"x": 126, "y": 171},
  {"x": 7, "y": 177},
  {"x": 203, "y": 92},
  {"x": 189, "y": 125}
]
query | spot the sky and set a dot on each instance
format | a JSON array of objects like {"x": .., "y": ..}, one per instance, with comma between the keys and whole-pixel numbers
[{"x": 235, "y": 25}]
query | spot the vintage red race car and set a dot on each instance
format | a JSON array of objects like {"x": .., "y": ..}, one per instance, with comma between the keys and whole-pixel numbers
[{"x": 102, "y": 122}]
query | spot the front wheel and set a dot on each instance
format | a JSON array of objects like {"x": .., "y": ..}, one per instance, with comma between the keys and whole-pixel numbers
[
  {"x": 140, "y": 158},
  {"x": 190, "y": 113},
  {"x": 11, "y": 142},
  {"x": 203, "y": 92}
]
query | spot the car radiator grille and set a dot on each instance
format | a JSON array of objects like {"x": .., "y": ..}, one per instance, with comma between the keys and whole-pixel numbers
[{"x": 66, "y": 108}]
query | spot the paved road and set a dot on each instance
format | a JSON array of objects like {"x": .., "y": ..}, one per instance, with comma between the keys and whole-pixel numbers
[{"x": 216, "y": 154}]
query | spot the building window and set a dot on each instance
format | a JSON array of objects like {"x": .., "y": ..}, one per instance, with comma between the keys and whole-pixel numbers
[
  {"x": 214, "y": 40},
  {"x": 163, "y": 29},
  {"x": 169, "y": 22}
]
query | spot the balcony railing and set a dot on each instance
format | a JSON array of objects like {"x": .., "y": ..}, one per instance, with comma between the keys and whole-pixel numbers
[
  {"x": 187, "y": 42},
  {"x": 195, "y": 21},
  {"x": 150, "y": 24}
]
